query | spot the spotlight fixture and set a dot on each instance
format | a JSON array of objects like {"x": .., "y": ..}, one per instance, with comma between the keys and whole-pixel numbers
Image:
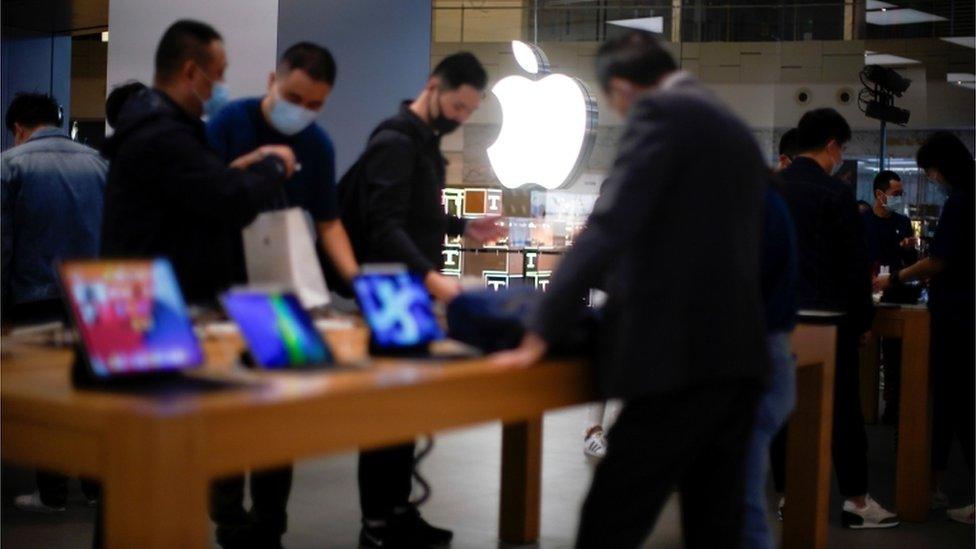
[
  {"x": 877, "y": 100},
  {"x": 887, "y": 113},
  {"x": 887, "y": 79}
]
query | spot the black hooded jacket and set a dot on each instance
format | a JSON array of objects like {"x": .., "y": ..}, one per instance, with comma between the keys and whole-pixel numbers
[{"x": 168, "y": 194}]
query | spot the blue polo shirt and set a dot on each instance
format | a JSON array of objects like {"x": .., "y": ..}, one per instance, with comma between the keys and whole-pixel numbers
[{"x": 240, "y": 127}]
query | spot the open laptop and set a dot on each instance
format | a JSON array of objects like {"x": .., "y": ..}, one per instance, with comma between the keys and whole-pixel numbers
[
  {"x": 130, "y": 318},
  {"x": 400, "y": 315},
  {"x": 278, "y": 331}
]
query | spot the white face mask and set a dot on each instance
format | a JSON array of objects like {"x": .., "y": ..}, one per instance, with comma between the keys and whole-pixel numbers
[
  {"x": 894, "y": 204},
  {"x": 289, "y": 118}
]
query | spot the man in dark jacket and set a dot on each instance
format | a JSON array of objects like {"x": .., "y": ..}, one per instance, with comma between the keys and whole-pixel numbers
[
  {"x": 835, "y": 276},
  {"x": 395, "y": 215},
  {"x": 684, "y": 341},
  {"x": 168, "y": 194}
]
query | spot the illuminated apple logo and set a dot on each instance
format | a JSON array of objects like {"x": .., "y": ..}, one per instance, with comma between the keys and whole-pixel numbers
[{"x": 548, "y": 124}]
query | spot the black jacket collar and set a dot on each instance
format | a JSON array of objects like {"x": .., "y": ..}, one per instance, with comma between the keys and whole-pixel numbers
[{"x": 422, "y": 130}]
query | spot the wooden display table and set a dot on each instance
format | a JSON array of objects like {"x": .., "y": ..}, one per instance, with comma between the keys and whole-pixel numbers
[
  {"x": 910, "y": 324},
  {"x": 156, "y": 455}
]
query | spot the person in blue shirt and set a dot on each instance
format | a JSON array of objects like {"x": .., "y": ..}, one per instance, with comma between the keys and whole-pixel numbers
[{"x": 297, "y": 91}]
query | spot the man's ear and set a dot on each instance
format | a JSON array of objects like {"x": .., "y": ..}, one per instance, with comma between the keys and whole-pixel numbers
[
  {"x": 271, "y": 80},
  {"x": 189, "y": 69}
]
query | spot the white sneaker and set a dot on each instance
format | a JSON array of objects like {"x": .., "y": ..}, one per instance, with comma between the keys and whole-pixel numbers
[
  {"x": 872, "y": 515},
  {"x": 964, "y": 515},
  {"x": 940, "y": 500},
  {"x": 779, "y": 508},
  {"x": 32, "y": 502},
  {"x": 595, "y": 445}
]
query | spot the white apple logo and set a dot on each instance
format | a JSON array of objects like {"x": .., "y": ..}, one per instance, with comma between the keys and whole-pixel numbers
[{"x": 548, "y": 124}]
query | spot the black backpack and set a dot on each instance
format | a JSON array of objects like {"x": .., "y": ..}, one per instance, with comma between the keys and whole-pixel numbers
[{"x": 352, "y": 193}]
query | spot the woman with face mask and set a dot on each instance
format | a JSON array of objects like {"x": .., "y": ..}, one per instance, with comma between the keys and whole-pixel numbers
[{"x": 947, "y": 162}]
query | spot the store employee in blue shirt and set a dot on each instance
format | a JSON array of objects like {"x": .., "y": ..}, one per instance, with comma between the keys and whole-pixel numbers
[{"x": 297, "y": 91}]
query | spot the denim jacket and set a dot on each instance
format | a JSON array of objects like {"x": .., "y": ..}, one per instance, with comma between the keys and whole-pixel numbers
[{"x": 51, "y": 195}]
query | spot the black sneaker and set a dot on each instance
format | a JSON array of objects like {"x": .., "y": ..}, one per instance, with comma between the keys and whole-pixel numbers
[
  {"x": 421, "y": 532},
  {"x": 405, "y": 531}
]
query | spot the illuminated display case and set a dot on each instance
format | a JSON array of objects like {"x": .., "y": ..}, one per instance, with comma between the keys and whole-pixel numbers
[{"x": 530, "y": 253}]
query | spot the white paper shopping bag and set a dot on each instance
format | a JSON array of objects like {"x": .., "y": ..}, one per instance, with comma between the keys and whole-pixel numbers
[{"x": 279, "y": 249}]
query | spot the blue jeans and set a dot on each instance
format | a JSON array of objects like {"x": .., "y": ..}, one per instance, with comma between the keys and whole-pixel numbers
[{"x": 774, "y": 409}]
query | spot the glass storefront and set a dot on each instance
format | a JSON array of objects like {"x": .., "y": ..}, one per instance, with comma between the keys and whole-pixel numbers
[{"x": 770, "y": 61}]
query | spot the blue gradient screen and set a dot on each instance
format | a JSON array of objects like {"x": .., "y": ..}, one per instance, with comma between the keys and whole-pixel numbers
[
  {"x": 398, "y": 309},
  {"x": 278, "y": 331}
]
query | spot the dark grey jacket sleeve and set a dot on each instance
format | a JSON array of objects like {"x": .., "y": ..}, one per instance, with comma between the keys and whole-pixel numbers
[{"x": 642, "y": 172}]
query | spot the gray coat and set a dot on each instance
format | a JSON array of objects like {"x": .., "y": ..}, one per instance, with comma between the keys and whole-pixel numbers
[{"x": 676, "y": 231}]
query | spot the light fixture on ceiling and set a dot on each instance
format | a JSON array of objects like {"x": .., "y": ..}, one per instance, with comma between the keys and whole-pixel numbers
[
  {"x": 649, "y": 24},
  {"x": 964, "y": 41},
  {"x": 901, "y": 16},
  {"x": 887, "y": 59},
  {"x": 963, "y": 79},
  {"x": 878, "y": 5}
]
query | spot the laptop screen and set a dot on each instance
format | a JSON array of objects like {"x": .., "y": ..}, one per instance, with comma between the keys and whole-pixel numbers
[
  {"x": 130, "y": 316},
  {"x": 278, "y": 331},
  {"x": 398, "y": 309}
]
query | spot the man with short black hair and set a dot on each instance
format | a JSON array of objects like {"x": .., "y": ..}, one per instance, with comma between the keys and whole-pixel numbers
[
  {"x": 168, "y": 194},
  {"x": 51, "y": 194},
  {"x": 835, "y": 276},
  {"x": 788, "y": 149},
  {"x": 297, "y": 92},
  {"x": 684, "y": 345},
  {"x": 52, "y": 199},
  {"x": 392, "y": 207},
  {"x": 891, "y": 239},
  {"x": 892, "y": 244}
]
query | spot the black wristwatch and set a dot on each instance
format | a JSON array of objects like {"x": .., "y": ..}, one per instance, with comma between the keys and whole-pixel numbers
[{"x": 893, "y": 278}]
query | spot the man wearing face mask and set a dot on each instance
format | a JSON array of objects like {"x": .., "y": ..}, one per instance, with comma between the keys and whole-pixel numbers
[
  {"x": 297, "y": 92},
  {"x": 168, "y": 194},
  {"x": 891, "y": 239},
  {"x": 393, "y": 208},
  {"x": 835, "y": 276},
  {"x": 891, "y": 243}
]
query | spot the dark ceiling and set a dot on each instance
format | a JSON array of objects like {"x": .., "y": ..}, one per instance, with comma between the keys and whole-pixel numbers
[{"x": 56, "y": 15}]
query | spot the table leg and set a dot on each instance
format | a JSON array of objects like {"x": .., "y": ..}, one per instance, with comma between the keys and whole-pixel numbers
[
  {"x": 870, "y": 380},
  {"x": 913, "y": 471},
  {"x": 155, "y": 491},
  {"x": 518, "y": 518},
  {"x": 808, "y": 459}
]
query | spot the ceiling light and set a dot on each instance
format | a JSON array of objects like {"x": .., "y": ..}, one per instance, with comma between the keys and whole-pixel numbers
[
  {"x": 964, "y": 79},
  {"x": 878, "y": 5},
  {"x": 965, "y": 41},
  {"x": 649, "y": 24},
  {"x": 901, "y": 16},
  {"x": 873, "y": 58}
]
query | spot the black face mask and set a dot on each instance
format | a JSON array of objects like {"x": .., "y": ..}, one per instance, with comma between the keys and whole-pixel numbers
[{"x": 442, "y": 124}]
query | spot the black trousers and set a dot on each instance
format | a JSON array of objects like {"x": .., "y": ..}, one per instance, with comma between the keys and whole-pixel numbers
[
  {"x": 849, "y": 447},
  {"x": 953, "y": 361},
  {"x": 693, "y": 441},
  {"x": 53, "y": 489},
  {"x": 267, "y": 520},
  {"x": 891, "y": 361},
  {"x": 385, "y": 480}
]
